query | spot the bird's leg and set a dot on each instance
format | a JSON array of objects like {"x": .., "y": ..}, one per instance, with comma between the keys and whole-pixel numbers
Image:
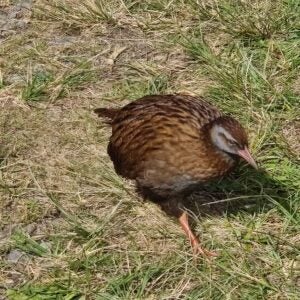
[{"x": 184, "y": 222}]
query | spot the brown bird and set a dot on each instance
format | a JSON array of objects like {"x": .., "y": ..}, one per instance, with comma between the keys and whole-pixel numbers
[{"x": 169, "y": 144}]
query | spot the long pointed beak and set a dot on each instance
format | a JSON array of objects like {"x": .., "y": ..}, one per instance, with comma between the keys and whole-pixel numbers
[{"x": 245, "y": 154}]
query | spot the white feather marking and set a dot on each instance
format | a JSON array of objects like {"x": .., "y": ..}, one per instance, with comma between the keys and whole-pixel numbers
[{"x": 217, "y": 132}]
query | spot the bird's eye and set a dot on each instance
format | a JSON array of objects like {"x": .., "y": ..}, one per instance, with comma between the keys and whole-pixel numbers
[{"x": 233, "y": 143}]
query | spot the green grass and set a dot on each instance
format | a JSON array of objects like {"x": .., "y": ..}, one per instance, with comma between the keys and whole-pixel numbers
[
  {"x": 256, "y": 20},
  {"x": 42, "y": 86},
  {"x": 35, "y": 88},
  {"x": 82, "y": 231}
]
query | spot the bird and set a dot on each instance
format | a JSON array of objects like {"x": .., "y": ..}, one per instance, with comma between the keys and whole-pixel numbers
[{"x": 170, "y": 144}]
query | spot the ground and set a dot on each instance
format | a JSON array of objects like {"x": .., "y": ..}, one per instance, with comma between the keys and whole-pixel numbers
[{"x": 70, "y": 228}]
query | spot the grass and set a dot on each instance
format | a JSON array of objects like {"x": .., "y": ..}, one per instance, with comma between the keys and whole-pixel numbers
[
  {"x": 254, "y": 21},
  {"x": 81, "y": 230}
]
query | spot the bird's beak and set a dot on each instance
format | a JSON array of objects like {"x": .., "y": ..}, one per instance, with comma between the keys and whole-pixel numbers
[{"x": 245, "y": 154}]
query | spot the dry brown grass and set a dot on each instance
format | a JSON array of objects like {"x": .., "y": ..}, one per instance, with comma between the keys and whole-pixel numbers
[{"x": 79, "y": 228}]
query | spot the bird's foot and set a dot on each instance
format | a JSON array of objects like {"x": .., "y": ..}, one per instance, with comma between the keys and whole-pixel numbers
[{"x": 199, "y": 250}]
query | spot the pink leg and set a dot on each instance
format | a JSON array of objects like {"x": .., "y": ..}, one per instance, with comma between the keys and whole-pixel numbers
[{"x": 197, "y": 249}]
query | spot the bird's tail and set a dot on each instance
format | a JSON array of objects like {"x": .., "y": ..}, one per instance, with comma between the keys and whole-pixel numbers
[{"x": 108, "y": 114}]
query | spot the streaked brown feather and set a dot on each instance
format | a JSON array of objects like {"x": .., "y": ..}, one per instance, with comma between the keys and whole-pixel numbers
[
  {"x": 107, "y": 113},
  {"x": 159, "y": 141}
]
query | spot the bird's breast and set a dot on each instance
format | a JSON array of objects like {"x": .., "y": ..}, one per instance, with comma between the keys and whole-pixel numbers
[{"x": 183, "y": 165}]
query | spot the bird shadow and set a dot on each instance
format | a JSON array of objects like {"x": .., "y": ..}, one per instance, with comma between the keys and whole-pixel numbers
[{"x": 246, "y": 190}]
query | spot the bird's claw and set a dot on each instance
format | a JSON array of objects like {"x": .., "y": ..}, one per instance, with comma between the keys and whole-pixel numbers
[{"x": 198, "y": 250}]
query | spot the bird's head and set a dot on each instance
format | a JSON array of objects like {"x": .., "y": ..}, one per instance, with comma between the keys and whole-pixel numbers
[{"x": 228, "y": 135}]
